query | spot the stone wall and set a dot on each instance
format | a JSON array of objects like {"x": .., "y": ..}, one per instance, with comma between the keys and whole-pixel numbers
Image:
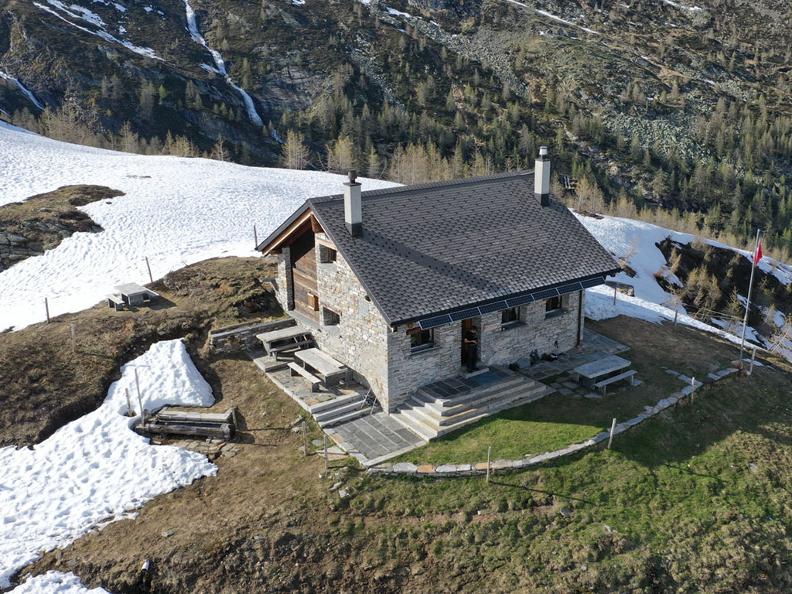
[
  {"x": 409, "y": 371},
  {"x": 360, "y": 338},
  {"x": 497, "y": 346},
  {"x": 555, "y": 334}
]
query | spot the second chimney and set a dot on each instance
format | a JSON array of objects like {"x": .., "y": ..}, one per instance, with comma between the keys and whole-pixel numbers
[
  {"x": 353, "y": 209},
  {"x": 542, "y": 177}
]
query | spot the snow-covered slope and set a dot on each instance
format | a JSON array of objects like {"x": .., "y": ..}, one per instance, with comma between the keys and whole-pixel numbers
[
  {"x": 96, "y": 469},
  {"x": 635, "y": 242},
  {"x": 176, "y": 211}
]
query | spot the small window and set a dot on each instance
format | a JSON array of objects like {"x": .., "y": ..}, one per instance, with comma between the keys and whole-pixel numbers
[
  {"x": 421, "y": 340},
  {"x": 313, "y": 302},
  {"x": 553, "y": 305},
  {"x": 329, "y": 317},
  {"x": 510, "y": 316},
  {"x": 327, "y": 255}
]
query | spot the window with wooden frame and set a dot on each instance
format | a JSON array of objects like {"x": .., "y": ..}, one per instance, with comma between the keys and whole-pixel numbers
[
  {"x": 511, "y": 317},
  {"x": 327, "y": 255},
  {"x": 554, "y": 306},
  {"x": 330, "y": 317},
  {"x": 313, "y": 302},
  {"x": 420, "y": 340}
]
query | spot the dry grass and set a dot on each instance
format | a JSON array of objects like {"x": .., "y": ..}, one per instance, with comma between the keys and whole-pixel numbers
[{"x": 47, "y": 381}]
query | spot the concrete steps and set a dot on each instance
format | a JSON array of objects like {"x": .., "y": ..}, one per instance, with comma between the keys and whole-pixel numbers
[{"x": 430, "y": 415}]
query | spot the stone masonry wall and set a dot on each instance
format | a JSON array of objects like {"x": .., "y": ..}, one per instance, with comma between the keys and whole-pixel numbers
[
  {"x": 409, "y": 371},
  {"x": 555, "y": 334},
  {"x": 359, "y": 340}
]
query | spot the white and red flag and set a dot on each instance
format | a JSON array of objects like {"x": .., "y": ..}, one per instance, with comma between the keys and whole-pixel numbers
[{"x": 758, "y": 252}]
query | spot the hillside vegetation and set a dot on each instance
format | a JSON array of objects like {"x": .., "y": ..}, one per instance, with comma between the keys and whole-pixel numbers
[
  {"x": 694, "y": 500},
  {"x": 647, "y": 104}
]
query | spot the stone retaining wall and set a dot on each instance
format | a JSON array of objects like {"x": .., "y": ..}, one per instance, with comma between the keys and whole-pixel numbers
[{"x": 480, "y": 468}]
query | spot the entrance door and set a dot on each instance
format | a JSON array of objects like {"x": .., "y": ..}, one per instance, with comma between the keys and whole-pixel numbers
[{"x": 467, "y": 325}]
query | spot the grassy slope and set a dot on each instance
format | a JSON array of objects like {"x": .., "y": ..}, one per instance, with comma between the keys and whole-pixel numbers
[
  {"x": 46, "y": 383},
  {"x": 557, "y": 420},
  {"x": 695, "y": 500}
]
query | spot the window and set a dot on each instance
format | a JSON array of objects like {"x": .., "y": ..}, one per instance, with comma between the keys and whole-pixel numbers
[
  {"x": 553, "y": 306},
  {"x": 421, "y": 340},
  {"x": 329, "y": 317},
  {"x": 313, "y": 302},
  {"x": 510, "y": 316},
  {"x": 327, "y": 254}
]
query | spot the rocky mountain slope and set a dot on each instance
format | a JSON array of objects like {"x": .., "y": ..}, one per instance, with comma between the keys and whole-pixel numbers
[{"x": 678, "y": 104}]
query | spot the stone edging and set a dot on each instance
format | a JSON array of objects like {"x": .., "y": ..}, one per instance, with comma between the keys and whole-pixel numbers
[{"x": 480, "y": 468}]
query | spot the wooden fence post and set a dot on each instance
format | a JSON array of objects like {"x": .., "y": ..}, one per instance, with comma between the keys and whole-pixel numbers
[
  {"x": 148, "y": 267},
  {"x": 614, "y": 295},
  {"x": 324, "y": 435},
  {"x": 612, "y": 431},
  {"x": 46, "y": 309},
  {"x": 73, "y": 337},
  {"x": 140, "y": 399},
  {"x": 255, "y": 237},
  {"x": 129, "y": 402}
]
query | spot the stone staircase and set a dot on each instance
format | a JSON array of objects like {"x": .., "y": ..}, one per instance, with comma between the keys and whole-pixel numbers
[
  {"x": 448, "y": 405},
  {"x": 340, "y": 410}
]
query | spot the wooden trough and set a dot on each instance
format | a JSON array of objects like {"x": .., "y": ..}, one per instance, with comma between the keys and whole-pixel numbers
[{"x": 191, "y": 424}]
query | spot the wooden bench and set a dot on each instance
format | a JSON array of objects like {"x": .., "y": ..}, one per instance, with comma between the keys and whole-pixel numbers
[
  {"x": 297, "y": 370},
  {"x": 323, "y": 365},
  {"x": 603, "y": 384}
]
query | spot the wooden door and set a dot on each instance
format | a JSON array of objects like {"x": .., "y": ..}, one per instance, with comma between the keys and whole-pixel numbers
[{"x": 306, "y": 294}]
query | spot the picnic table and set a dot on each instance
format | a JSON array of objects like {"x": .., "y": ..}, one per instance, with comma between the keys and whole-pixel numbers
[
  {"x": 285, "y": 339},
  {"x": 603, "y": 372},
  {"x": 323, "y": 365}
]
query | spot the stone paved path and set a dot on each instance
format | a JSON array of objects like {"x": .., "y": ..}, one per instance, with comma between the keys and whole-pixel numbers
[{"x": 374, "y": 438}]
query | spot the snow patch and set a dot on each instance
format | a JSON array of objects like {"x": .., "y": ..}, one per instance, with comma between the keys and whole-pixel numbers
[
  {"x": 101, "y": 33},
  {"x": 550, "y": 15},
  {"x": 96, "y": 470},
  {"x": 22, "y": 89},
  {"x": 55, "y": 582},
  {"x": 176, "y": 211}
]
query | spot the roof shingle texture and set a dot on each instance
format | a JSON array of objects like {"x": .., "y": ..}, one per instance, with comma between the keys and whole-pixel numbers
[{"x": 437, "y": 247}]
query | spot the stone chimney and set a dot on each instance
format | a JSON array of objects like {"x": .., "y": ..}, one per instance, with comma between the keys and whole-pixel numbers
[
  {"x": 353, "y": 209},
  {"x": 542, "y": 177}
]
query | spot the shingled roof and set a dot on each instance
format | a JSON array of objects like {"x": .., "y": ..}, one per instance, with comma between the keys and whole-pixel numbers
[{"x": 431, "y": 250}]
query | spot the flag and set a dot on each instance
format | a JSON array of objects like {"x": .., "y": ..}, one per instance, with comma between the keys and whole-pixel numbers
[{"x": 758, "y": 252}]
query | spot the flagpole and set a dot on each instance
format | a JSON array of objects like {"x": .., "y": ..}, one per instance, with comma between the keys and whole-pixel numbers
[{"x": 748, "y": 301}]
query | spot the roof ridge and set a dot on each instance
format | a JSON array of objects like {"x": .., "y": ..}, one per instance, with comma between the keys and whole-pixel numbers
[{"x": 459, "y": 182}]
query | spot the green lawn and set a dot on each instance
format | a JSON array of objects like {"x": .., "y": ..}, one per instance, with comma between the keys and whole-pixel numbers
[
  {"x": 557, "y": 421},
  {"x": 696, "y": 500}
]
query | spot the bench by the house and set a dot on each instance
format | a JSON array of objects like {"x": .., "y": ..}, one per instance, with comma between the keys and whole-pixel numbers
[
  {"x": 603, "y": 384},
  {"x": 314, "y": 381},
  {"x": 323, "y": 365},
  {"x": 283, "y": 340},
  {"x": 601, "y": 373}
]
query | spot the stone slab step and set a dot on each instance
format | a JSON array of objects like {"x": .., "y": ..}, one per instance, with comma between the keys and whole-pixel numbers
[
  {"x": 441, "y": 418},
  {"x": 334, "y": 403},
  {"x": 415, "y": 425},
  {"x": 353, "y": 414},
  {"x": 475, "y": 394},
  {"x": 429, "y": 425},
  {"x": 337, "y": 411},
  {"x": 482, "y": 397}
]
